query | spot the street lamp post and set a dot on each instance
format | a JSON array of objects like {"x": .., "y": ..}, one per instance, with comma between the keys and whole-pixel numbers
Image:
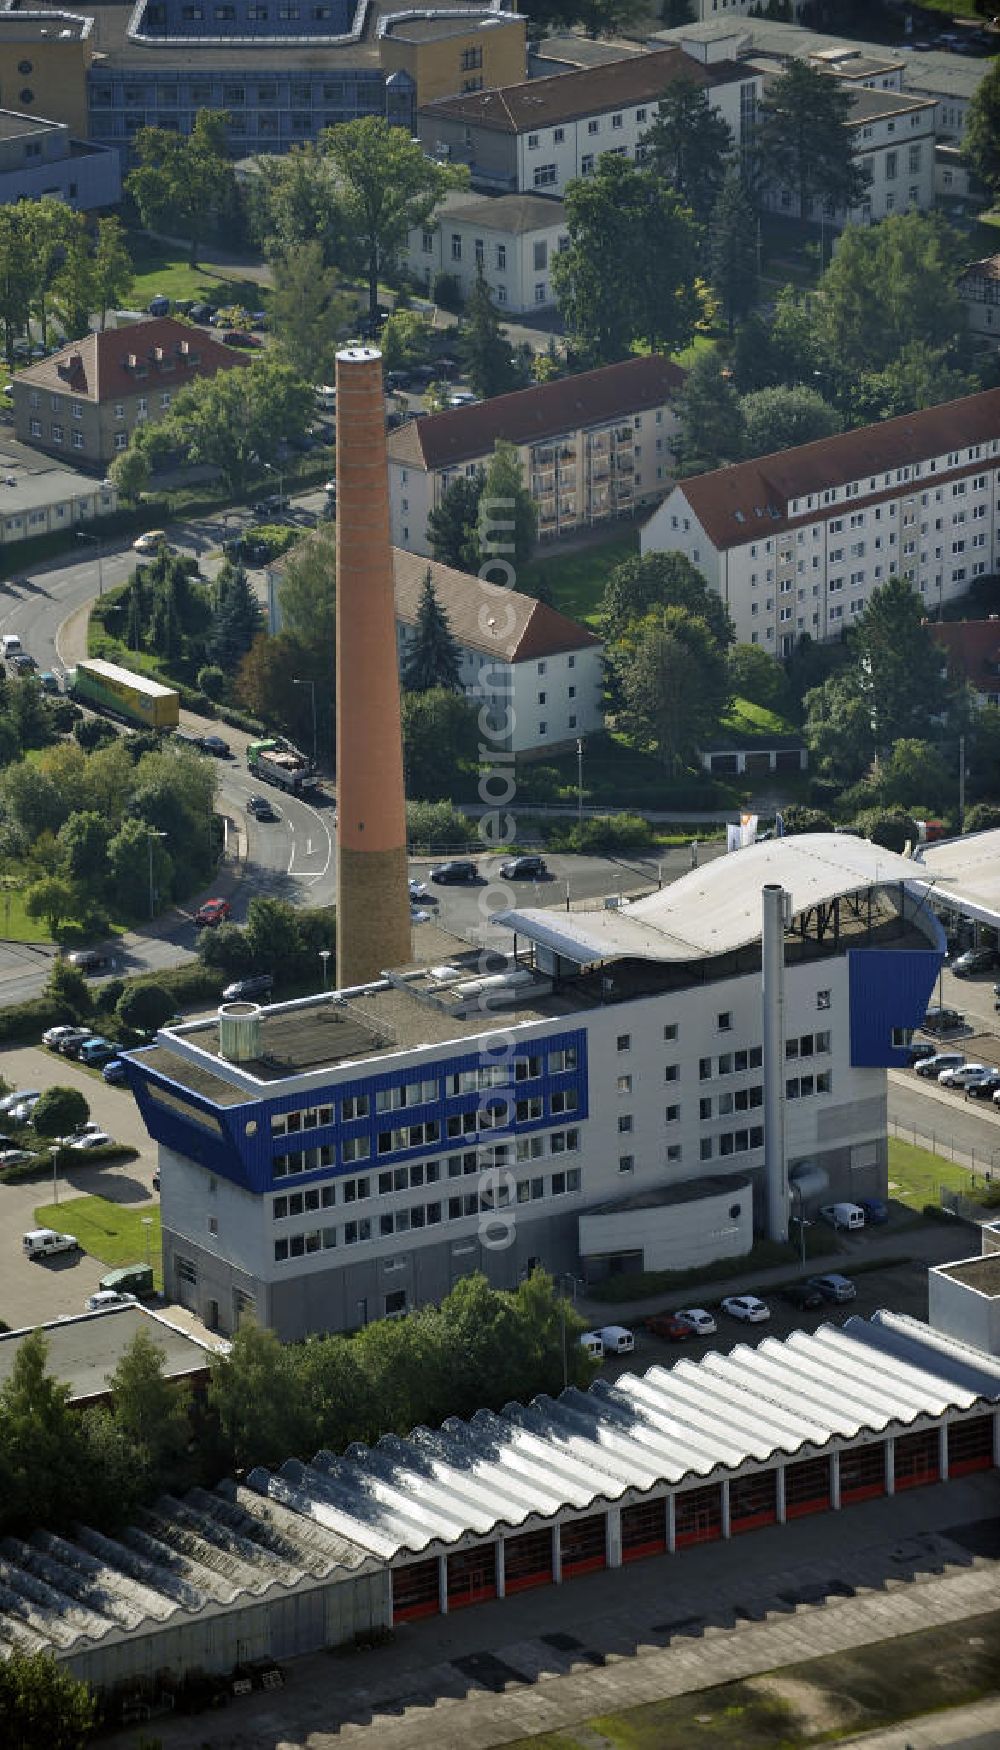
[
  {"x": 81, "y": 535},
  {"x": 152, "y": 834},
  {"x": 271, "y": 469},
  {"x": 312, "y": 694},
  {"x": 803, "y": 1224},
  {"x": 579, "y": 781},
  {"x": 147, "y": 1222},
  {"x": 567, "y": 1276},
  {"x": 324, "y": 955}
]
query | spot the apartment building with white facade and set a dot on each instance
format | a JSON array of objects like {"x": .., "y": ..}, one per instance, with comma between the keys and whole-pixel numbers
[
  {"x": 979, "y": 289},
  {"x": 514, "y": 238},
  {"x": 539, "y": 674},
  {"x": 543, "y": 134},
  {"x": 796, "y": 542},
  {"x": 351, "y": 1155},
  {"x": 592, "y": 447}
]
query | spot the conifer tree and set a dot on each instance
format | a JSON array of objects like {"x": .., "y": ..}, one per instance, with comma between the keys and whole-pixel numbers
[{"x": 432, "y": 659}]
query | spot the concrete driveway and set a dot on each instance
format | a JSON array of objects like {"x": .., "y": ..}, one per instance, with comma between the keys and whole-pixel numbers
[{"x": 30, "y": 1293}]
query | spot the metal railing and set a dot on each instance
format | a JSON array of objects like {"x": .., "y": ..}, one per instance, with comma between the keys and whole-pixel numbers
[{"x": 983, "y": 1163}]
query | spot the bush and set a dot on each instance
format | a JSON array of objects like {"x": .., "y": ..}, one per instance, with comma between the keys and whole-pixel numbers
[
  {"x": 25, "y": 1022},
  {"x": 609, "y": 833},
  {"x": 211, "y": 681},
  {"x": 447, "y": 293},
  {"x": 538, "y": 784},
  {"x": 890, "y": 828},
  {"x": 982, "y": 817},
  {"x": 241, "y": 720},
  {"x": 438, "y": 824},
  {"x": 798, "y": 819}
]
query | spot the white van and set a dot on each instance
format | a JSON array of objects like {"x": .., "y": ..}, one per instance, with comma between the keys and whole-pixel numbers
[
  {"x": 44, "y": 1242},
  {"x": 591, "y": 1342},
  {"x": 844, "y": 1215},
  {"x": 617, "y": 1340},
  {"x": 10, "y": 644}
]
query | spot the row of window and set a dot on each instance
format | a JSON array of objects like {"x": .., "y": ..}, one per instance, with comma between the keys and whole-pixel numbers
[
  {"x": 731, "y": 1142},
  {"x": 909, "y": 471},
  {"x": 425, "y": 1091},
  {"x": 357, "y": 1149},
  {"x": 423, "y": 1215},
  {"x": 77, "y": 407}
]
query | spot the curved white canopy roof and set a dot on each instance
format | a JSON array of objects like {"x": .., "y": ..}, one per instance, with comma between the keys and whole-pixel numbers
[
  {"x": 716, "y": 909},
  {"x": 966, "y": 872}
]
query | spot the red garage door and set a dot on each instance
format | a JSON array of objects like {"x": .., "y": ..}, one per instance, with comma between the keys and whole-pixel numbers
[
  {"x": 807, "y": 1487},
  {"x": 753, "y": 1501},
  {"x": 644, "y": 1530},
  {"x": 584, "y": 1545},
  {"x": 698, "y": 1515},
  {"x": 415, "y": 1591},
  {"x": 970, "y": 1446},
  {"x": 918, "y": 1459},
  {"x": 527, "y": 1561},
  {"x": 862, "y": 1473},
  {"x": 472, "y": 1575}
]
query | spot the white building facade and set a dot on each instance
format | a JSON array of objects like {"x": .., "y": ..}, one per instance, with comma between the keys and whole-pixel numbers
[
  {"x": 796, "y": 542},
  {"x": 514, "y": 238},
  {"x": 592, "y": 448},
  {"x": 353, "y": 1155}
]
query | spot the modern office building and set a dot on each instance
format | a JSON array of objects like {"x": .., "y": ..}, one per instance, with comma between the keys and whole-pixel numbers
[
  {"x": 40, "y": 157},
  {"x": 616, "y": 1092},
  {"x": 45, "y": 61},
  {"x": 797, "y": 541},
  {"x": 84, "y": 401},
  {"x": 538, "y": 136},
  {"x": 592, "y": 447},
  {"x": 285, "y": 69}
]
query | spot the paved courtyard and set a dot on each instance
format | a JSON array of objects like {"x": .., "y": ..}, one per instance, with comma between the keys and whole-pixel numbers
[{"x": 657, "y": 1628}]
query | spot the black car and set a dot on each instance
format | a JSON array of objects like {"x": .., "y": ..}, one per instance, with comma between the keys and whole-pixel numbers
[
  {"x": 802, "y": 1295},
  {"x": 259, "y": 984},
  {"x": 974, "y": 960},
  {"x": 916, "y": 1051},
  {"x": 214, "y": 744},
  {"x": 985, "y": 1089},
  {"x": 260, "y": 808},
  {"x": 201, "y": 312},
  {"x": 524, "y": 869},
  {"x": 455, "y": 873}
]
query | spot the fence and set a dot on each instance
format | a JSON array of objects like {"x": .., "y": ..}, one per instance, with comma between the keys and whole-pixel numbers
[{"x": 983, "y": 1162}]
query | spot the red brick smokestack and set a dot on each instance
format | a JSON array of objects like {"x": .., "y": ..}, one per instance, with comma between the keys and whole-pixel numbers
[{"x": 373, "y": 906}]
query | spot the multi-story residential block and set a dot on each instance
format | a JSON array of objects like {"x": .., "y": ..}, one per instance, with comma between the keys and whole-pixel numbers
[
  {"x": 979, "y": 289},
  {"x": 591, "y": 447},
  {"x": 538, "y": 136},
  {"x": 970, "y": 650},
  {"x": 513, "y": 237},
  {"x": 538, "y": 673},
  {"x": 351, "y": 1155},
  {"x": 84, "y": 402},
  {"x": 796, "y": 542},
  {"x": 39, "y": 157},
  {"x": 949, "y": 80},
  {"x": 284, "y": 69}
]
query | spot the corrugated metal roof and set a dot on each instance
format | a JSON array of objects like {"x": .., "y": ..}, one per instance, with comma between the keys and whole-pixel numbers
[
  {"x": 966, "y": 871},
  {"x": 468, "y": 1480},
  {"x": 717, "y": 908}
]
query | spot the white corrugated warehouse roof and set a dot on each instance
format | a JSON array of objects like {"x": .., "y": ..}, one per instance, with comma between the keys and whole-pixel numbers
[
  {"x": 966, "y": 872},
  {"x": 337, "y": 1516},
  {"x": 716, "y": 909},
  {"x": 667, "y": 1426}
]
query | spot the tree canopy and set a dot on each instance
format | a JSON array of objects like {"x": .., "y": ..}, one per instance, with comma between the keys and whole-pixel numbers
[
  {"x": 780, "y": 418},
  {"x": 732, "y": 248},
  {"x": 671, "y": 676},
  {"x": 431, "y": 660},
  {"x": 660, "y": 580},
  {"x": 485, "y": 349},
  {"x": 182, "y": 182},
  {"x": 981, "y": 141},
  {"x": 506, "y": 514},
  {"x": 451, "y": 525},
  {"x": 689, "y": 146},
  {"x": 309, "y": 315},
  {"x": 889, "y": 286},
  {"x": 711, "y": 420},
  {"x": 237, "y": 419},
  {"x": 802, "y": 141}
]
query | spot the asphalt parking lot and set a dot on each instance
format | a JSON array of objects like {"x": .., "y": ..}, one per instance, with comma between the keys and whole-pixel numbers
[
  {"x": 31, "y": 1293},
  {"x": 899, "y": 1287}
]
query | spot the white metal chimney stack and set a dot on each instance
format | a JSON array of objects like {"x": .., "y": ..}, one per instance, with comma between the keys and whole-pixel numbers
[{"x": 775, "y": 908}]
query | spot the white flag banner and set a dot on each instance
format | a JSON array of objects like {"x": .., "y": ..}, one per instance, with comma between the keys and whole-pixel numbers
[
  {"x": 734, "y": 839},
  {"x": 748, "y": 829}
]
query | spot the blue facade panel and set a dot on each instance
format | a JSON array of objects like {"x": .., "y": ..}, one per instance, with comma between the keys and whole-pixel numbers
[
  {"x": 889, "y": 988},
  {"x": 238, "y": 1143}
]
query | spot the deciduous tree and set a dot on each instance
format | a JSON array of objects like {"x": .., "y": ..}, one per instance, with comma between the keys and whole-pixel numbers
[
  {"x": 484, "y": 347},
  {"x": 152, "y": 1413},
  {"x": 507, "y": 517},
  {"x": 53, "y": 899},
  {"x": 981, "y": 141},
  {"x": 236, "y": 420},
  {"x": 710, "y": 418},
  {"x": 671, "y": 676},
  {"x": 889, "y": 286},
  {"x": 309, "y": 314},
  {"x": 43, "y": 1703},
  {"x": 660, "y": 580},
  {"x": 439, "y": 731},
  {"x": 60, "y": 1112},
  {"x": 782, "y": 418},
  {"x": 145, "y": 1007},
  {"x": 113, "y": 273},
  {"x": 183, "y": 182}
]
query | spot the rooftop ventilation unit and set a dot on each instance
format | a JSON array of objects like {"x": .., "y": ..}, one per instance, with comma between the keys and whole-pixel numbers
[{"x": 239, "y": 1032}]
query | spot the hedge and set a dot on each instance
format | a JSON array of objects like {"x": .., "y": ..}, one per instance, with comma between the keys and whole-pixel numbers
[{"x": 42, "y": 1167}]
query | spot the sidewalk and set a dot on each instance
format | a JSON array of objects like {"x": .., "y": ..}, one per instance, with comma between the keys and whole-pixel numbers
[{"x": 976, "y": 1727}]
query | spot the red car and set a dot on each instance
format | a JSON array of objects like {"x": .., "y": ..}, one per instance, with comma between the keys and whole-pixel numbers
[
  {"x": 214, "y": 911},
  {"x": 666, "y": 1325},
  {"x": 239, "y": 337}
]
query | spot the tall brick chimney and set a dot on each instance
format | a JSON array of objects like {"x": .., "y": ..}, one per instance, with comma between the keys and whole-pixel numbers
[{"x": 373, "y": 905}]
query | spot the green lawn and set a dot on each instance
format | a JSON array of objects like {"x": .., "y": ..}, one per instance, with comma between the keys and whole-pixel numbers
[
  {"x": 111, "y": 1232},
  {"x": 160, "y": 268},
  {"x": 576, "y": 579},
  {"x": 745, "y": 718},
  {"x": 700, "y": 343},
  {"x": 916, "y": 1175},
  {"x": 616, "y": 775}
]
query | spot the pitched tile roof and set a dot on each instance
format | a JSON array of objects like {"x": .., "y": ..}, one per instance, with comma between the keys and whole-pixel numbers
[
  {"x": 525, "y": 628},
  {"x": 986, "y": 269},
  {"x": 973, "y": 648},
  {"x": 123, "y": 361},
  {"x": 564, "y": 97},
  {"x": 528, "y": 416},
  {"x": 734, "y": 505}
]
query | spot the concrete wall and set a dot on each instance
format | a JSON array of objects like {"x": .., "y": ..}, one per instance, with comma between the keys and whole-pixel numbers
[
  {"x": 675, "y": 1236},
  {"x": 964, "y": 1311}
]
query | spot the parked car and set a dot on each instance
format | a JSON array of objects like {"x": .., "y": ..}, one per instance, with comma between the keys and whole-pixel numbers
[
  {"x": 463, "y": 398},
  {"x": 419, "y": 892},
  {"x": 214, "y": 911},
  {"x": 215, "y": 745},
  {"x": 802, "y": 1295},
  {"x": 69, "y": 1036},
  {"x": 669, "y": 1327},
  {"x": 21, "y": 1113},
  {"x": 160, "y": 305},
  {"x": 201, "y": 312},
  {"x": 617, "y": 1340},
  {"x": 240, "y": 337},
  {"x": 524, "y": 869},
  {"x": 932, "y": 1066},
  {"x": 591, "y": 1342},
  {"x": 833, "y": 1286},
  {"x": 114, "y": 1072},
  {"x": 45, "y": 1242},
  {"x": 961, "y": 1074},
  {"x": 846, "y": 1217},
  {"x": 72, "y": 1047},
  {"x": 94, "y": 1052},
  {"x": 919, "y": 1049},
  {"x": 455, "y": 872},
  {"x": 698, "y": 1320},
  {"x": 974, "y": 960},
  {"x": 106, "y": 1298},
  {"x": 23, "y": 662},
  {"x": 876, "y": 1208},
  {"x": 93, "y": 1139},
  {"x": 51, "y": 1038},
  {"x": 91, "y": 1128},
  {"x": 49, "y": 682},
  {"x": 259, "y": 984},
  {"x": 17, "y": 1157},
  {"x": 90, "y": 959},
  {"x": 15, "y": 1097},
  {"x": 260, "y": 808},
  {"x": 985, "y": 1087},
  {"x": 939, "y": 1019},
  {"x": 747, "y": 1308},
  {"x": 151, "y": 542}
]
